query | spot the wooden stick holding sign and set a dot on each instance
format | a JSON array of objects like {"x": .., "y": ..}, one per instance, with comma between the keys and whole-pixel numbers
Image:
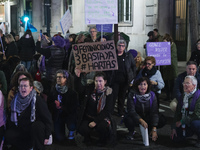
[{"x": 96, "y": 56}]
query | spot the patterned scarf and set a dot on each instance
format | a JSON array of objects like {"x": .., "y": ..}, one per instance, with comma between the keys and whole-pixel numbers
[
  {"x": 102, "y": 99},
  {"x": 185, "y": 102},
  {"x": 61, "y": 89},
  {"x": 19, "y": 104}
]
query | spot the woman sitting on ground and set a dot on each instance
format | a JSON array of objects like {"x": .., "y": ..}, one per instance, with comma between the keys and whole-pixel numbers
[
  {"x": 29, "y": 124},
  {"x": 63, "y": 103},
  {"x": 96, "y": 108},
  {"x": 142, "y": 108}
]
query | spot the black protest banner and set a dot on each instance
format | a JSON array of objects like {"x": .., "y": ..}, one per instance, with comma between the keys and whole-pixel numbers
[{"x": 95, "y": 56}]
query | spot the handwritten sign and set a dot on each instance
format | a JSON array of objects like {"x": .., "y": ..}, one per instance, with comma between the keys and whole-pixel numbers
[
  {"x": 106, "y": 27},
  {"x": 161, "y": 51},
  {"x": 66, "y": 21},
  {"x": 101, "y": 11},
  {"x": 95, "y": 56}
]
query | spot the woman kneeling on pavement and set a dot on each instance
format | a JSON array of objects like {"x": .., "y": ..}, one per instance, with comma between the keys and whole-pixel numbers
[
  {"x": 96, "y": 109},
  {"x": 63, "y": 103},
  {"x": 187, "y": 115},
  {"x": 142, "y": 108},
  {"x": 30, "y": 121}
]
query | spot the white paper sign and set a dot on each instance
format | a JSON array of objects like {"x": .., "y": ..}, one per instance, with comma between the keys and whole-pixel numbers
[
  {"x": 66, "y": 21},
  {"x": 101, "y": 12},
  {"x": 145, "y": 135}
]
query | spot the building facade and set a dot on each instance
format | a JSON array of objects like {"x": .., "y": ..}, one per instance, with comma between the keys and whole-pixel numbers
[{"x": 135, "y": 17}]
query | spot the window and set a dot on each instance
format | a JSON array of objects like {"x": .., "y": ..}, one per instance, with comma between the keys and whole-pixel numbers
[
  {"x": 124, "y": 11},
  {"x": 2, "y": 13},
  {"x": 67, "y": 5}
]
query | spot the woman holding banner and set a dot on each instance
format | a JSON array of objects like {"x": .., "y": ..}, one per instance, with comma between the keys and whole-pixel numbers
[
  {"x": 120, "y": 79},
  {"x": 153, "y": 74},
  {"x": 95, "y": 108}
]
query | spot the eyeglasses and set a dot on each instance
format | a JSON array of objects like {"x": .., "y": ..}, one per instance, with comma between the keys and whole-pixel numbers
[
  {"x": 187, "y": 83},
  {"x": 25, "y": 86},
  {"x": 149, "y": 64},
  {"x": 92, "y": 31},
  {"x": 59, "y": 77},
  {"x": 121, "y": 45}
]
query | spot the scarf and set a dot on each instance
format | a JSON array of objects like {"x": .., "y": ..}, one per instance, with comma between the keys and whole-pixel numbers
[
  {"x": 143, "y": 98},
  {"x": 102, "y": 99},
  {"x": 185, "y": 102},
  {"x": 148, "y": 73},
  {"x": 185, "y": 107},
  {"x": 19, "y": 104},
  {"x": 61, "y": 89}
]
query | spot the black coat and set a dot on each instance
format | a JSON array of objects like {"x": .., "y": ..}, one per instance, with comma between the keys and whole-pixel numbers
[
  {"x": 147, "y": 113},
  {"x": 69, "y": 104},
  {"x": 54, "y": 59},
  {"x": 130, "y": 68},
  {"x": 195, "y": 56},
  {"x": 11, "y": 49},
  {"x": 26, "y": 48},
  {"x": 42, "y": 114},
  {"x": 85, "y": 97}
]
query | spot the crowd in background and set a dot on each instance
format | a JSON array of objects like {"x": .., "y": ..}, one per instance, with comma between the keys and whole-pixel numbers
[{"x": 43, "y": 93}]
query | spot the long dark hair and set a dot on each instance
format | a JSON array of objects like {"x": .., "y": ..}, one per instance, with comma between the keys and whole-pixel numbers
[{"x": 28, "y": 31}]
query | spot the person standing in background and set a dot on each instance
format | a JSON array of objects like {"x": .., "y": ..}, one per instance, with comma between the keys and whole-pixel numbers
[{"x": 26, "y": 49}]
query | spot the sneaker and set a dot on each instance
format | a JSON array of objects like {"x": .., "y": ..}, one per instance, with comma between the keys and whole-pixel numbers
[
  {"x": 71, "y": 135},
  {"x": 130, "y": 136}
]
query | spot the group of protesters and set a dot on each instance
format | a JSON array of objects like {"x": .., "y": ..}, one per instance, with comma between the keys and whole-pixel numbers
[{"x": 43, "y": 92}]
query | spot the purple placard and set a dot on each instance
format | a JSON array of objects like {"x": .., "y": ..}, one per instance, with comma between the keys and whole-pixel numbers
[
  {"x": 161, "y": 51},
  {"x": 106, "y": 27}
]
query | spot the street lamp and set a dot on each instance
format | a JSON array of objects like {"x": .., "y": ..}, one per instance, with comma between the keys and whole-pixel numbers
[{"x": 47, "y": 4}]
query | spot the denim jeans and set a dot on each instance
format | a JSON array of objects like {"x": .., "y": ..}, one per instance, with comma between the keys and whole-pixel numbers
[
  {"x": 27, "y": 64},
  {"x": 59, "y": 126}
]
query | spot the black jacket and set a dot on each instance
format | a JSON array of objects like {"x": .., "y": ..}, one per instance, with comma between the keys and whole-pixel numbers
[
  {"x": 42, "y": 114},
  {"x": 26, "y": 48},
  {"x": 195, "y": 56},
  {"x": 85, "y": 96},
  {"x": 69, "y": 104},
  {"x": 130, "y": 70},
  {"x": 136, "y": 111},
  {"x": 54, "y": 59},
  {"x": 11, "y": 49}
]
